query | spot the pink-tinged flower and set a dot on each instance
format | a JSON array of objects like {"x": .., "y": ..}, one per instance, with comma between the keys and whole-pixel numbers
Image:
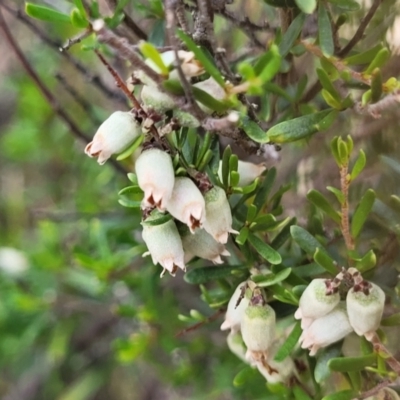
[
  {"x": 164, "y": 244},
  {"x": 315, "y": 303},
  {"x": 114, "y": 135},
  {"x": 218, "y": 222},
  {"x": 258, "y": 327},
  {"x": 248, "y": 172},
  {"x": 326, "y": 330},
  {"x": 156, "y": 177},
  {"x": 237, "y": 306},
  {"x": 187, "y": 204},
  {"x": 276, "y": 371},
  {"x": 201, "y": 244},
  {"x": 365, "y": 309}
]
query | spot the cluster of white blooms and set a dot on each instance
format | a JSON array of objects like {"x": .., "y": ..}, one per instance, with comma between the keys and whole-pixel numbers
[
  {"x": 325, "y": 319},
  {"x": 253, "y": 335}
]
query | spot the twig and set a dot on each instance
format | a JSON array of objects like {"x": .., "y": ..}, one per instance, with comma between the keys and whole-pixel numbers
[
  {"x": 77, "y": 39},
  {"x": 94, "y": 79},
  {"x": 345, "y": 225},
  {"x": 46, "y": 92},
  {"x": 380, "y": 348},
  {"x": 375, "y": 110},
  {"x": 361, "y": 29},
  {"x": 130, "y": 23},
  {"x": 374, "y": 390},
  {"x": 201, "y": 323}
]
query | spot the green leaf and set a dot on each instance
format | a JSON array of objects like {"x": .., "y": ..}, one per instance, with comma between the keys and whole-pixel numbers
[
  {"x": 79, "y": 5},
  {"x": 253, "y": 130},
  {"x": 367, "y": 262},
  {"x": 46, "y": 13},
  {"x": 243, "y": 376},
  {"x": 272, "y": 279},
  {"x": 297, "y": 128},
  {"x": 271, "y": 61},
  {"x": 292, "y": 34},
  {"x": 362, "y": 211},
  {"x": 265, "y": 250},
  {"x": 307, "y": 6},
  {"x": 347, "y": 5},
  {"x": 335, "y": 150},
  {"x": 359, "y": 165},
  {"x": 305, "y": 240},
  {"x": 290, "y": 343},
  {"x": 330, "y": 100},
  {"x": 300, "y": 394},
  {"x": 243, "y": 235},
  {"x": 77, "y": 19},
  {"x": 150, "y": 52},
  {"x": 393, "y": 320},
  {"x": 345, "y": 364},
  {"x": 210, "y": 101},
  {"x": 200, "y": 56},
  {"x": 342, "y": 395},
  {"x": 339, "y": 195},
  {"x": 327, "y": 84},
  {"x": 251, "y": 213},
  {"x": 84, "y": 387},
  {"x": 130, "y": 190},
  {"x": 125, "y": 202},
  {"x": 319, "y": 200},
  {"x": 325, "y": 261},
  {"x": 263, "y": 191},
  {"x": 225, "y": 165},
  {"x": 365, "y": 57},
  {"x": 129, "y": 151},
  {"x": 161, "y": 219},
  {"x": 379, "y": 60},
  {"x": 202, "y": 275},
  {"x": 325, "y": 36},
  {"x": 283, "y": 235},
  {"x": 376, "y": 85},
  {"x": 263, "y": 223}
]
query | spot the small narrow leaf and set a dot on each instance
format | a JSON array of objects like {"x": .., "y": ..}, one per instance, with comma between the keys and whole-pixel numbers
[
  {"x": 319, "y": 200},
  {"x": 325, "y": 36},
  {"x": 290, "y": 343},
  {"x": 264, "y": 189},
  {"x": 272, "y": 63},
  {"x": 365, "y": 57},
  {"x": 46, "y": 13},
  {"x": 243, "y": 235},
  {"x": 339, "y": 195},
  {"x": 283, "y": 235},
  {"x": 243, "y": 376},
  {"x": 393, "y": 320},
  {"x": 253, "y": 130},
  {"x": 205, "y": 61},
  {"x": 345, "y": 364},
  {"x": 307, "y": 6},
  {"x": 342, "y": 395},
  {"x": 362, "y": 211},
  {"x": 265, "y": 250},
  {"x": 379, "y": 60},
  {"x": 347, "y": 5},
  {"x": 292, "y": 34},
  {"x": 305, "y": 240},
  {"x": 359, "y": 165},
  {"x": 322, "y": 371},
  {"x": 325, "y": 261},
  {"x": 150, "y": 52},
  {"x": 300, "y": 394},
  {"x": 327, "y": 84},
  {"x": 272, "y": 279},
  {"x": 297, "y": 128},
  {"x": 225, "y": 165},
  {"x": 367, "y": 262},
  {"x": 202, "y": 275},
  {"x": 376, "y": 85}
]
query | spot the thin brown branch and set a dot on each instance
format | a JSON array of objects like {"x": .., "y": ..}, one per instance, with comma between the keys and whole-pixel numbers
[
  {"x": 345, "y": 223},
  {"x": 75, "y": 130},
  {"x": 77, "y": 39},
  {"x": 361, "y": 29},
  {"x": 130, "y": 23},
  {"x": 374, "y": 390},
  {"x": 94, "y": 79},
  {"x": 380, "y": 348},
  {"x": 194, "y": 327},
  {"x": 375, "y": 110}
]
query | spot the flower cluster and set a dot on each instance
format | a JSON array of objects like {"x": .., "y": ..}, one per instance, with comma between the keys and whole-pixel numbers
[
  {"x": 326, "y": 319},
  {"x": 253, "y": 335},
  {"x": 207, "y": 218}
]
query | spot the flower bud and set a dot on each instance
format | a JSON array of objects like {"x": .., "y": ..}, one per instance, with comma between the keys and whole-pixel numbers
[
  {"x": 156, "y": 177},
  {"x": 12, "y": 261},
  {"x": 326, "y": 330},
  {"x": 248, "y": 172},
  {"x": 218, "y": 222},
  {"x": 258, "y": 327},
  {"x": 236, "y": 345},
  {"x": 365, "y": 310},
  {"x": 186, "y": 119},
  {"x": 153, "y": 98},
  {"x": 315, "y": 303},
  {"x": 237, "y": 306},
  {"x": 164, "y": 244},
  {"x": 114, "y": 135},
  {"x": 274, "y": 371},
  {"x": 186, "y": 203},
  {"x": 201, "y": 244}
]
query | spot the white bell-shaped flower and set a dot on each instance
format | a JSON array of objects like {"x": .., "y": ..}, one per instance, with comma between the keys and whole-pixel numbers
[
  {"x": 248, "y": 172},
  {"x": 326, "y": 330},
  {"x": 13, "y": 261},
  {"x": 274, "y": 371},
  {"x": 164, "y": 244},
  {"x": 156, "y": 177},
  {"x": 202, "y": 244},
  {"x": 218, "y": 222},
  {"x": 237, "y": 306},
  {"x": 187, "y": 204},
  {"x": 114, "y": 135},
  {"x": 153, "y": 98},
  {"x": 236, "y": 345},
  {"x": 258, "y": 327},
  {"x": 365, "y": 310},
  {"x": 315, "y": 303}
]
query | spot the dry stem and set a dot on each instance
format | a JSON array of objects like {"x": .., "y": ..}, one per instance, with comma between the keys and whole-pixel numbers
[{"x": 345, "y": 225}]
